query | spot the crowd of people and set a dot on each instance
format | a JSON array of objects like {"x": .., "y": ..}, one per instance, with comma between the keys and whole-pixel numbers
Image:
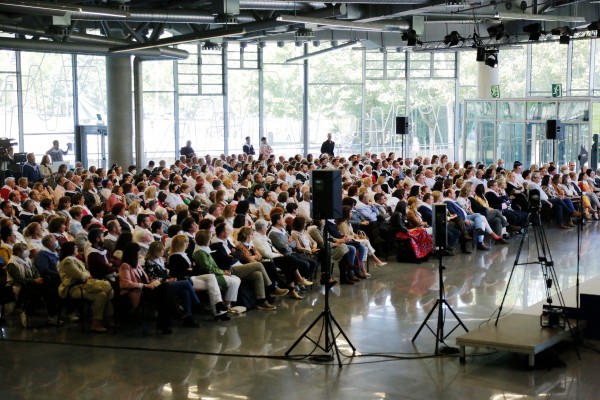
[{"x": 221, "y": 225}]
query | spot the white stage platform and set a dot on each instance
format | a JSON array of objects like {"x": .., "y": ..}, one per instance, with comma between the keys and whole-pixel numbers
[{"x": 521, "y": 332}]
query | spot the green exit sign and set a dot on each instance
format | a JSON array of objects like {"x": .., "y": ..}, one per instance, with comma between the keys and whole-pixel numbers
[
  {"x": 556, "y": 90},
  {"x": 495, "y": 91}
]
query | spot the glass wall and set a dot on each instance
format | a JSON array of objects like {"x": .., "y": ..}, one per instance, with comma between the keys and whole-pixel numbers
[
  {"x": 385, "y": 99},
  {"x": 548, "y": 66},
  {"x": 242, "y": 75},
  {"x": 431, "y": 102},
  {"x": 335, "y": 96},
  {"x": 354, "y": 94},
  {"x": 517, "y": 130},
  {"x": 9, "y": 118},
  {"x": 48, "y": 112},
  {"x": 283, "y": 95}
]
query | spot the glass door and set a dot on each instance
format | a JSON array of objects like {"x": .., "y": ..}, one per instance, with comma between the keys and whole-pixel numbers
[
  {"x": 91, "y": 145},
  {"x": 573, "y": 138},
  {"x": 538, "y": 149},
  {"x": 509, "y": 144}
]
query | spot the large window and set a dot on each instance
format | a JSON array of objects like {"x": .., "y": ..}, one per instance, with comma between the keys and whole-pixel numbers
[
  {"x": 159, "y": 113},
  {"x": 47, "y": 100},
  {"x": 385, "y": 99},
  {"x": 548, "y": 66},
  {"x": 9, "y": 121},
  {"x": 243, "y": 95},
  {"x": 335, "y": 99},
  {"x": 432, "y": 103},
  {"x": 282, "y": 99}
]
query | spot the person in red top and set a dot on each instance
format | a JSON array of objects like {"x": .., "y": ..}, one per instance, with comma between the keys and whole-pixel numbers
[{"x": 9, "y": 186}]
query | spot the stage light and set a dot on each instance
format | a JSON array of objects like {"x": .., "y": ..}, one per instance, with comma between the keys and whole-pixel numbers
[
  {"x": 411, "y": 38},
  {"x": 452, "y": 39},
  {"x": 534, "y": 30},
  {"x": 565, "y": 33},
  {"x": 491, "y": 59},
  {"x": 496, "y": 31},
  {"x": 594, "y": 26}
]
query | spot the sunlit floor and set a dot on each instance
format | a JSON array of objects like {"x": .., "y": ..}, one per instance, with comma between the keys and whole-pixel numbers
[{"x": 226, "y": 360}]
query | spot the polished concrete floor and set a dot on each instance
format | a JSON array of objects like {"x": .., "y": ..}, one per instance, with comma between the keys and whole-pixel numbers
[{"x": 242, "y": 358}]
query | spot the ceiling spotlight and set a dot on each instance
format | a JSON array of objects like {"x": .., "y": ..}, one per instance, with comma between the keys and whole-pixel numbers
[
  {"x": 534, "y": 30},
  {"x": 453, "y": 39},
  {"x": 594, "y": 26},
  {"x": 491, "y": 58},
  {"x": 281, "y": 44},
  {"x": 496, "y": 31},
  {"x": 305, "y": 33},
  {"x": 565, "y": 33},
  {"x": 411, "y": 38},
  {"x": 298, "y": 43},
  {"x": 208, "y": 45},
  {"x": 316, "y": 43}
]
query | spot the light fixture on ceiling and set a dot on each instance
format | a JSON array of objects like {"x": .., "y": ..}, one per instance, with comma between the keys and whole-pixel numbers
[
  {"x": 594, "y": 26},
  {"x": 305, "y": 33},
  {"x": 226, "y": 19},
  {"x": 211, "y": 46},
  {"x": 497, "y": 32},
  {"x": 565, "y": 33},
  {"x": 452, "y": 39},
  {"x": 411, "y": 38},
  {"x": 534, "y": 31},
  {"x": 281, "y": 44},
  {"x": 491, "y": 58}
]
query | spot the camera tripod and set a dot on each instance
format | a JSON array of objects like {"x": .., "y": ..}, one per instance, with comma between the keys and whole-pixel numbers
[
  {"x": 544, "y": 259},
  {"x": 440, "y": 303},
  {"x": 330, "y": 337}
]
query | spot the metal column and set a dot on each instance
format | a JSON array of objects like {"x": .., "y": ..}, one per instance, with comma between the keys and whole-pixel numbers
[
  {"x": 225, "y": 98},
  {"x": 19, "y": 75},
  {"x": 261, "y": 94},
  {"x": 305, "y": 114},
  {"x": 138, "y": 96}
]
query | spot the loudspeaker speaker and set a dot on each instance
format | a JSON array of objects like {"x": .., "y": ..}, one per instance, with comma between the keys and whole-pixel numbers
[
  {"x": 326, "y": 194},
  {"x": 401, "y": 125},
  {"x": 590, "y": 304},
  {"x": 552, "y": 127},
  {"x": 440, "y": 225}
]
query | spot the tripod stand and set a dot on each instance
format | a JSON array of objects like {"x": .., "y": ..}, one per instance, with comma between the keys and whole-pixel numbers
[
  {"x": 330, "y": 345},
  {"x": 544, "y": 259},
  {"x": 439, "y": 304}
]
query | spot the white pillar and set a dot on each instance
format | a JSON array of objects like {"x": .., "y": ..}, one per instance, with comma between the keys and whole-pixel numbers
[{"x": 486, "y": 77}]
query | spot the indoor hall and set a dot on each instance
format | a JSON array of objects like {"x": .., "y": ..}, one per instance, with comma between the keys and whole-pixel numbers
[
  {"x": 224, "y": 360},
  {"x": 127, "y": 82}
]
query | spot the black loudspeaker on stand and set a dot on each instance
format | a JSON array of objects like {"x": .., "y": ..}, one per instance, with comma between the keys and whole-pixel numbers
[
  {"x": 552, "y": 129},
  {"x": 326, "y": 204},
  {"x": 440, "y": 235},
  {"x": 402, "y": 129}
]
